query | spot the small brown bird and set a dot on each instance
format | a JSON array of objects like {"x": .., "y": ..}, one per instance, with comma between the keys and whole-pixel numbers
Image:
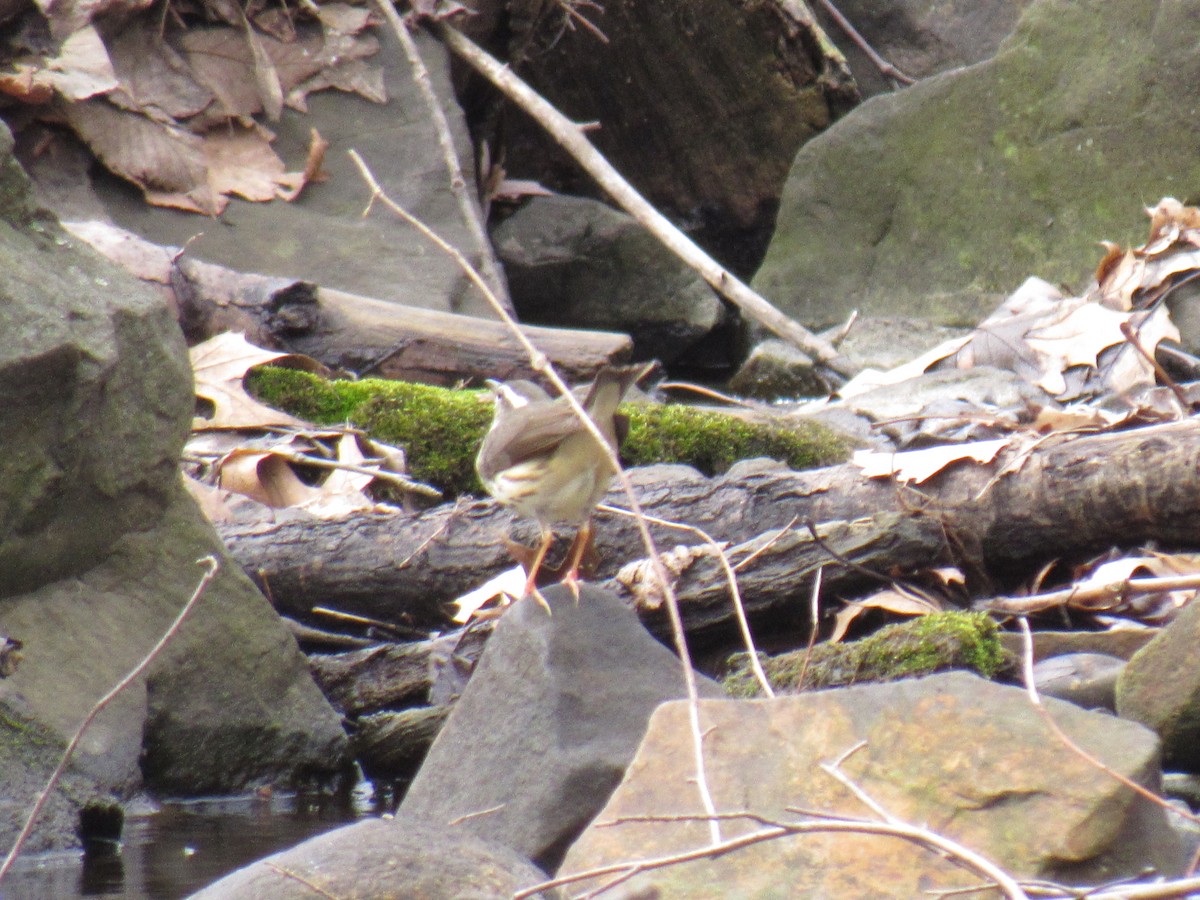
[{"x": 539, "y": 458}]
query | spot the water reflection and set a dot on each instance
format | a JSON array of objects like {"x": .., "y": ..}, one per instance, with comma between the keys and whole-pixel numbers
[{"x": 181, "y": 848}]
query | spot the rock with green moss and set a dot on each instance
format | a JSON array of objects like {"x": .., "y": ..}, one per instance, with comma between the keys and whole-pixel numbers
[
  {"x": 440, "y": 429},
  {"x": 935, "y": 643},
  {"x": 902, "y": 208}
]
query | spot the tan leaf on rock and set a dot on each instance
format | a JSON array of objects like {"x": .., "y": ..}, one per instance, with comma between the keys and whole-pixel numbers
[
  {"x": 241, "y": 161},
  {"x": 219, "y": 366},
  {"x": 354, "y": 76},
  {"x": 895, "y": 600},
  {"x": 292, "y": 183},
  {"x": 270, "y": 91},
  {"x": 154, "y": 79},
  {"x": 342, "y": 18},
  {"x": 65, "y": 17},
  {"x": 166, "y": 162},
  {"x": 82, "y": 68},
  {"x": 920, "y": 465}
]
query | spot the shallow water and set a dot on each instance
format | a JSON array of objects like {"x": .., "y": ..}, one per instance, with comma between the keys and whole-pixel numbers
[{"x": 178, "y": 850}]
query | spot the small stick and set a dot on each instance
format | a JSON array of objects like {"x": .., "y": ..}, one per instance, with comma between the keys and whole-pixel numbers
[
  {"x": 458, "y": 183},
  {"x": 572, "y": 139},
  {"x": 885, "y": 67}
]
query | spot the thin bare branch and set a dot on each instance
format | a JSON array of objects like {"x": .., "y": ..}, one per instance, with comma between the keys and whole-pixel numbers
[
  {"x": 774, "y": 829},
  {"x": 885, "y": 67},
  {"x": 458, "y": 183},
  {"x": 1068, "y": 741},
  {"x": 541, "y": 364},
  {"x": 734, "y": 591},
  {"x": 1101, "y": 596},
  {"x": 572, "y": 138}
]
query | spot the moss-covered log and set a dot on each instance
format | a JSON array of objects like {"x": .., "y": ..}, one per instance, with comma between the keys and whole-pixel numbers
[{"x": 440, "y": 429}]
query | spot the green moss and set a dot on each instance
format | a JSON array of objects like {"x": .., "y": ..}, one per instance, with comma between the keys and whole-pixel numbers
[
  {"x": 712, "y": 442},
  {"x": 947, "y": 640},
  {"x": 440, "y": 429}
]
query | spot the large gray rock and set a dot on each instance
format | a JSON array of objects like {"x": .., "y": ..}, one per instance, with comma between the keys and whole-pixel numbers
[
  {"x": 1160, "y": 687},
  {"x": 547, "y": 723},
  {"x": 98, "y": 550},
  {"x": 967, "y": 758},
  {"x": 381, "y": 859},
  {"x": 322, "y": 236},
  {"x": 577, "y": 263},
  {"x": 701, "y": 106},
  {"x": 937, "y": 200}
]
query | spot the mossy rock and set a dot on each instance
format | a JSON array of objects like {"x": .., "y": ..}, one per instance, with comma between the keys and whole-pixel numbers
[
  {"x": 934, "y": 643},
  {"x": 441, "y": 429}
]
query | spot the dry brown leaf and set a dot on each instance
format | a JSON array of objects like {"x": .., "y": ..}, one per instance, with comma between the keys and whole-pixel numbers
[
  {"x": 948, "y": 575},
  {"x": 920, "y": 465},
  {"x": 219, "y": 366},
  {"x": 1129, "y": 279},
  {"x": 341, "y": 492},
  {"x": 266, "y": 472},
  {"x": 354, "y": 76},
  {"x": 266, "y": 77},
  {"x": 1076, "y": 417},
  {"x": 27, "y": 83},
  {"x": 292, "y": 183},
  {"x": 82, "y": 68},
  {"x": 342, "y": 18},
  {"x": 166, "y": 162},
  {"x": 241, "y": 161},
  {"x": 154, "y": 79},
  {"x": 501, "y": 590},
  {"x": 1076, "y": 336},
  {"x": 893, "y": 600},
  {"x": 264, "y": 476},
  {"x": 1148, "y": 607}
]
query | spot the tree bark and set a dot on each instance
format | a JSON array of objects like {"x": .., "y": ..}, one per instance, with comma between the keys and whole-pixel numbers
[
  {"x": 375, "y": 337},
  {"x": 1077, "y": 494}
]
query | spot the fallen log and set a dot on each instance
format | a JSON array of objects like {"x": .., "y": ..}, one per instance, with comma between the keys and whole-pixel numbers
[
  {"x": 375, "y": 337},
  {"x": 1073, "y": 495}
]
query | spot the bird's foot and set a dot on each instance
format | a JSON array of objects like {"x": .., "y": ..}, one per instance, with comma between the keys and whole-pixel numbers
[
  {"x": 531, "y": 590},
  {"x": 571, "y": 580}
]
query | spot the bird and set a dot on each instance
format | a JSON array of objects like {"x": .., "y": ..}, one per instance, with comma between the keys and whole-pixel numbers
[{"x": 540, "y": 459}]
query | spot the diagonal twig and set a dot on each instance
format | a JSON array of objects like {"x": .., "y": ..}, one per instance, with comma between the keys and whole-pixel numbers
[
  {"x": 541, "y": 364},
  {"x": 572, "y": 139}
]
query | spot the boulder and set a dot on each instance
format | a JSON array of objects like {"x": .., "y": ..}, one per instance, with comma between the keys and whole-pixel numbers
[
  {"x": 1160, "y": 688},
  {"x": 701, "y": 107},
  {"x": 939, "y": 199},
  {"x": 380, "y": 859},
  {"x": 967, "y": 758},
  {"x": 577, "y": 263},
  {"x": 98, "y": 550},
  {"x": 547, "y": 723},
  {"x": 321, "y": 236}
]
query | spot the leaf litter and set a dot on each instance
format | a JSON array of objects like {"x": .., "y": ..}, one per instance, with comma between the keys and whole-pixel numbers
[
  {"x": 168, "y": 103},
  {"x": 1080, "y": 351},
  {"x": 245, "y": 448}
]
